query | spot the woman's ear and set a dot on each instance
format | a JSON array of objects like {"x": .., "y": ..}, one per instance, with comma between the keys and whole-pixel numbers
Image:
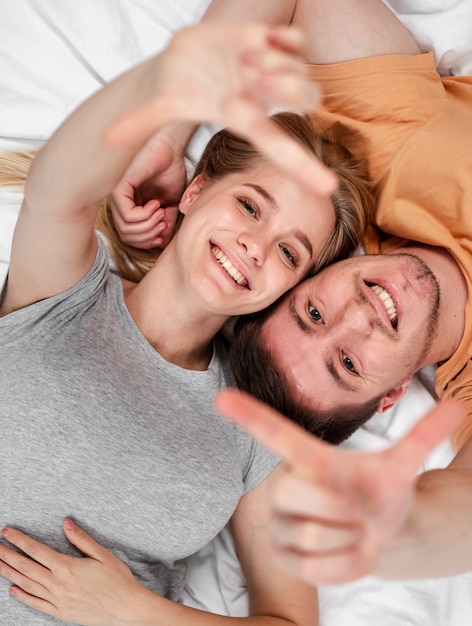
[{"x": 191, "y": 193}]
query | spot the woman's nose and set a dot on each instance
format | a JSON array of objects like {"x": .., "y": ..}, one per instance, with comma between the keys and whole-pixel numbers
[{"x": 255, "y": 246}]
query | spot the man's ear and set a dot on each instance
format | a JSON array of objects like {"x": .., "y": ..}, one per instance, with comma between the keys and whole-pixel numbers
[
  {"x": 393, "y": 396},
  {"x": 191, "y": 193}
]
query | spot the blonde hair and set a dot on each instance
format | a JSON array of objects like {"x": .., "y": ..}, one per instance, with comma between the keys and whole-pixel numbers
[
  {"x": 227, "y": 153},
  {"x": 132, "y": 263},
  {"x": 14, "y": 167}
]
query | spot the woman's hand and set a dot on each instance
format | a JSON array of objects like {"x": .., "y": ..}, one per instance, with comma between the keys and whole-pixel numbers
[
  {"x": 97, "y": 590},
  {"x": 145, "y": 203},
  {"x": 230, "y": 74}
]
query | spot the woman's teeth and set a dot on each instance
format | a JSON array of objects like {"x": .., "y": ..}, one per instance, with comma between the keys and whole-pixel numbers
[
  {"x": 229, "y": 267},
  {"x": 388, "y": 303}
]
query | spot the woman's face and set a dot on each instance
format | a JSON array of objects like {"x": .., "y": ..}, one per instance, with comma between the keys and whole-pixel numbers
[{"x": 249, "y": 237}]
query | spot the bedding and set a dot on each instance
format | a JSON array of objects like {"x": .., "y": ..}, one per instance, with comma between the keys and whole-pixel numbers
[{"x": 54, "y": 54}]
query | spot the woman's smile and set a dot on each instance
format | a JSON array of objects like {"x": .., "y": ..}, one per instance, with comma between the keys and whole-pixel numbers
[{"x": 229, "y": 268}]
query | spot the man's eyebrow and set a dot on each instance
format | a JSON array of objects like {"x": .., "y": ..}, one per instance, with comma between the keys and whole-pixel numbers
[
  {"x": 337, "y": 378},
  {"x": 302, "y": 325},
  {"x": 296, "y": 232},
  {"x": 309, "y": 330}
]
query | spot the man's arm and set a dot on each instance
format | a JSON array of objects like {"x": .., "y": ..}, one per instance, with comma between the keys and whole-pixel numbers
[
  {"x": 436, "y": 539},
  {"x": 266, "y": 11},
  {"x": 344, "y": 30}
]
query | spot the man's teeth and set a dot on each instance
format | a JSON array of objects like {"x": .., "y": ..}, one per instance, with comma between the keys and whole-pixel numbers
[
  {"x": 229, "y": 267},
  {"x": 388, "y": 303}
]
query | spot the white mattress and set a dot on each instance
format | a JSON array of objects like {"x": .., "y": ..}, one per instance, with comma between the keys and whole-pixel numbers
[{"x": 53, "y": 54}]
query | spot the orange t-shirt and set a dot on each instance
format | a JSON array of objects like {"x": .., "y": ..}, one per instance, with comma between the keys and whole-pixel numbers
[{"x": 415, "y": 130}]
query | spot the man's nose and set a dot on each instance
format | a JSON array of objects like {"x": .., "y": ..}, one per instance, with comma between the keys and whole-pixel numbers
[{"x": 357, "y": 318}]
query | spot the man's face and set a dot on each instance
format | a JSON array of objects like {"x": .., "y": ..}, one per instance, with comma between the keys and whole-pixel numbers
[{"x": 357, "y": 330}]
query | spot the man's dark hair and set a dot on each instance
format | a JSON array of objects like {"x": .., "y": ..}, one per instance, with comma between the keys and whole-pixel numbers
[{"x": 257, "y": 373}]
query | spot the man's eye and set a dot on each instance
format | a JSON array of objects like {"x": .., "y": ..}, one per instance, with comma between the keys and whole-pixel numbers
[
  {"x": 314, "y": 314},
  {"x": 248, "y": 206},
  {"x": 291, "y": 257},
  {"x": 348, "y": 364}
]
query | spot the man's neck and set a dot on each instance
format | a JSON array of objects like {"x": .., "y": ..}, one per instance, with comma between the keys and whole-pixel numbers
[{"x": 453, "y": 299}]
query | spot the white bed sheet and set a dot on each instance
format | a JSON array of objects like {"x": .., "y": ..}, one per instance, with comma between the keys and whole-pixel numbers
[{"x": 54, "y": 53}]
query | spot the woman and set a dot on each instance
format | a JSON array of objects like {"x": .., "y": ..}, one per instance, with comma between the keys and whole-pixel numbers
[{"x": 94, "y": 421}]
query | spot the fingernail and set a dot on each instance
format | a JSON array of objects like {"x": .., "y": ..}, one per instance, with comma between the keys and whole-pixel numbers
[
  {"x": 68, "y": 523},
  {"x": 5, "y": 532}
]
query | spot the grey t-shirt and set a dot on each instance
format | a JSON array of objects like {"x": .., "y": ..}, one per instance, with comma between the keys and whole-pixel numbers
[{"x": 94, "y": 424}]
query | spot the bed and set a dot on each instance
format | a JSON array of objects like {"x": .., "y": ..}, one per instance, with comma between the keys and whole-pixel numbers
[{"x": 53, "y": 54}]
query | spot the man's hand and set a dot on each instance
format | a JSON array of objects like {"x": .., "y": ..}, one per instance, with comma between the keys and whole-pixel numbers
[{"x": 336, "y": 510}]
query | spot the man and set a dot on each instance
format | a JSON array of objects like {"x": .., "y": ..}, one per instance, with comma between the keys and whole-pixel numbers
[{"x": 339, "y": 336}]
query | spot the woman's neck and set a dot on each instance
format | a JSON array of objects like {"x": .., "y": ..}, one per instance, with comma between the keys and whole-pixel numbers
[{"x": 170, "y": 319}]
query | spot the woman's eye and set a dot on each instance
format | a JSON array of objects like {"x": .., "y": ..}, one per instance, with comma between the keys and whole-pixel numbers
[
  {"x": 348, "y": 364},
  {"x": 314, "y": 314},
  {"x": 292, "y": 258},
  {"x": 248, "y": 206}
]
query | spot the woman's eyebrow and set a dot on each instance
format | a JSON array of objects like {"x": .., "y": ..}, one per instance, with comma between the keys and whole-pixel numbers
[
  {"x": 264, "y": 193},
  {"x": 295, "y": 232}
]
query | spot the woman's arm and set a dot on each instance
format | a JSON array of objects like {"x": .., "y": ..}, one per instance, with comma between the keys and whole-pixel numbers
[
  {"x": 230, "y": 73},
  {"x": 99, "y": 590},
  {"x": 271, "y": 590},
  {"x": 144, "y": 204}
]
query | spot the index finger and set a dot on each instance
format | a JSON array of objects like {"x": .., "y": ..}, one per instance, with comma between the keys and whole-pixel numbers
[
  {"x": 284, "y": 438},
  {"x": 269, "y": 139}
]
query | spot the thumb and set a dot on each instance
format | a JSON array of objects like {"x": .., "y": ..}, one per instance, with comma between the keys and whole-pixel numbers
[
  {"x": 444, "y": 419},
  {"x": 82, "y": 541}
]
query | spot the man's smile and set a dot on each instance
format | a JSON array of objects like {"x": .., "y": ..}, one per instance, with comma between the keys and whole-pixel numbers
[{"x": 387, "y": 300}]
